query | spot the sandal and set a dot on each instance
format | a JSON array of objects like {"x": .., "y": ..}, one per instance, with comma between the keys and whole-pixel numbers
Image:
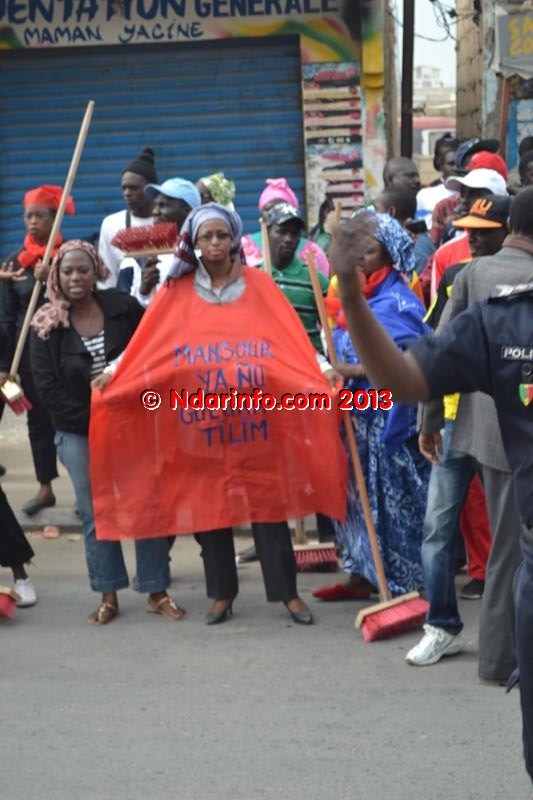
[
  {"x": 166, "y": 607},
  {"x": 106, "y": 612}
]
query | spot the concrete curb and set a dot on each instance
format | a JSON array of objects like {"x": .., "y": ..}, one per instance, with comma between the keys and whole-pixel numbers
[{"x": 63, "y": 518}]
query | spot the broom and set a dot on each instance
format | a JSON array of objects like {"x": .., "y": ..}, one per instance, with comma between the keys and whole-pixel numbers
[
  {"x": 147, "y": 240},
  {"x": 391, "y": 616},
  {"x": 310, "y": 556},
  {"x": 11, "y": 390},
  {"x": 313, "y": 556}
]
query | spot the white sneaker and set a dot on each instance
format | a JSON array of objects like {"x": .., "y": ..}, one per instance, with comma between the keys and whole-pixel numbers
[
  {"x": 24, "y": 588},
  {"x": 435, "y": 644}
]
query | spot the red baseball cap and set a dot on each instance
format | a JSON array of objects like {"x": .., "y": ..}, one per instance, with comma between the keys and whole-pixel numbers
[{"x": 486, "y": 160}]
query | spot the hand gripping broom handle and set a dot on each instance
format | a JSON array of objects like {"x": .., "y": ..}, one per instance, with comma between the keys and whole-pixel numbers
[
  {"x": 352, "y": 444},
  {"x": 267, "y": 261},
  {"x": 53, "y": 235}
]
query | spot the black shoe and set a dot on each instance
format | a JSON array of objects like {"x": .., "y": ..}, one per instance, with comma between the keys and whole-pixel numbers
[
  {"x": 34, "y": 506},
  {"x": 247, "y": 556},
  {"x": 216, "y": 619},
  {"x": 2, "y": 471},
  {"x": 473, "y": 590},
  {"x": 301, "y": 617}
]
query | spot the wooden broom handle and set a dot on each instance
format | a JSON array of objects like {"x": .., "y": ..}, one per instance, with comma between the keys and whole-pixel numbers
[
  {"x": 350, "y": 435},
  {"x": 32, "y": 305},
  {"x": 267, "y": 261},
  {"x": 363, "y": 496}
]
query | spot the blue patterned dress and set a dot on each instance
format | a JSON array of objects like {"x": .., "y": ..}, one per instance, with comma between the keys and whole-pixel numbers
[{"x": 396, "y": 474}]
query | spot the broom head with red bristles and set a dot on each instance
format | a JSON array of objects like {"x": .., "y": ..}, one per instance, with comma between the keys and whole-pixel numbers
[
  {"x": 8, "y": 602},
  {"x": 317, "y": 557},
  {"x": 392, "y": 617},
  {"x": 12, "y": 394},
  {"x": 147, "y": 240}
]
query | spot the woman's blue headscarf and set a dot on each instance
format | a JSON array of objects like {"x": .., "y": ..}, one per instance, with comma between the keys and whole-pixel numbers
[
  {"x": 185, "y": 257},
  {"x": 397, "y": 242}
]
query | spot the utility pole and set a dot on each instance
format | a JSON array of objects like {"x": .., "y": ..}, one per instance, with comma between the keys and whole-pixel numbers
[{"x": 406, "y": 143}]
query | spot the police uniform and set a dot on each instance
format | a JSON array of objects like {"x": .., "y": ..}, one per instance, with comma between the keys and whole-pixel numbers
[{"x": 489, "y": 348}]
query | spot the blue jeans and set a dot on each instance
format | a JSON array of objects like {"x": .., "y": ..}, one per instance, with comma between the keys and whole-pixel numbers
[
  {"x": 448, "y": 488},
  {"x": 105, "y": 562},
  {"x": 523, "y": 594}
]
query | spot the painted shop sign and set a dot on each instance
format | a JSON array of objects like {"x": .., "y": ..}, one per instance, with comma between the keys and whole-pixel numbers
[
  {"x": 38, "y": 23},
  {"x": 514, "y": 44}
]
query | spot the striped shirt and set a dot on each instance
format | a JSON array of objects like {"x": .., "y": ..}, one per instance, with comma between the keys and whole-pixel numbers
[
  {"x": 95, "y": 347},
  {"x": 295, "y": 283}
]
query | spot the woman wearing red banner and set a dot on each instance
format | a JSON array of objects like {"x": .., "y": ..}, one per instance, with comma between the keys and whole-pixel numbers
[
  {"x": 220, "y": 325},
  {"x": 216, "y": 232},
  {"x": 77, "y": 335},
  {"x": 40, "y": 205}
]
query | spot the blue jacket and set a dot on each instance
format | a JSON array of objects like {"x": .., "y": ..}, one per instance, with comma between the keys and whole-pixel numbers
[{"x": 401, "y": 313}]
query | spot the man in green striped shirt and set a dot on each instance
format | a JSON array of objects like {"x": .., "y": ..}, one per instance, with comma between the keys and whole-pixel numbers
[{"x": 285, "y": 227}]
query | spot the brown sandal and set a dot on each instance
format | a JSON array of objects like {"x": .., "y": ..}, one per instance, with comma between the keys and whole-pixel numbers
[
  {"x": 166, "y": 607},
  {"x": 106, "y": 612}
]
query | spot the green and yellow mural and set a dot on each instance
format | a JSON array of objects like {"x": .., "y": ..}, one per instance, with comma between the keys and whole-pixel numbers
[{"x": 341, "y": 45}]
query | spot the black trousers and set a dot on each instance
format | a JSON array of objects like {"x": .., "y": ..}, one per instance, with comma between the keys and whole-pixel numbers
[
  {"x": 15, "y": 549},
  {"x": 275, "y": 553},
  {"x": 325, "y": 529},
  {"x": 40, "y": 431},
  {"x": 523, "y": 594}
]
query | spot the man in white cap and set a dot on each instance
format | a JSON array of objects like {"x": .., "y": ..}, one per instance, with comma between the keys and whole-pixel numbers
[
  {"x": 172, "y": 202},
  {"x": 475, "y": 184}
]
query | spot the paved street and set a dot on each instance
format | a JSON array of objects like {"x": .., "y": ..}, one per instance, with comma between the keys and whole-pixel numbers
[{"x": 255, "y": 709}]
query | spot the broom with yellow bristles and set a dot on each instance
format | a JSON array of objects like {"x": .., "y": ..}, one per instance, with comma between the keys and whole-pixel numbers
[{"x": 391, "y": 616}]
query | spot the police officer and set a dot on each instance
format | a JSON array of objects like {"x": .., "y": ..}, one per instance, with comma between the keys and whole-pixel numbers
[{"x": 488, "y": 348}]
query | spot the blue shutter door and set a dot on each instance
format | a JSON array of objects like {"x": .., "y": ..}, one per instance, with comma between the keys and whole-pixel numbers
[{"x": 231, "y": 106}]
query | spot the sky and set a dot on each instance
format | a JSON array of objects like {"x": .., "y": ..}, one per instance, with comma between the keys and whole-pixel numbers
[{"x": 432, "y": 54}]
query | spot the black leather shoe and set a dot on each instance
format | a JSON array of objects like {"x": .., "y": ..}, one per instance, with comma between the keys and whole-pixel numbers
[
  {"x": 34, "y": 506},
  {"x": 301, "y": 617},
  {"x": 216, "y": 619}
]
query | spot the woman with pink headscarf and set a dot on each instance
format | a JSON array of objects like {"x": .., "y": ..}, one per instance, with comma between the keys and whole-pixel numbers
[{"x": 278, "y": 191}]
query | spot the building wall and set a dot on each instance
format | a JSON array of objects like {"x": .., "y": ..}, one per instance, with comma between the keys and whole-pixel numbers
[
  {"x": 479, "y": 87},
  {"x": 341, "y": 54},
  {"x": 469, "y": 69}
]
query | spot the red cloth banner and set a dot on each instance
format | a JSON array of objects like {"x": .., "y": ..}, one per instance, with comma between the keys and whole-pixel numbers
[{"x": 162, "y": 472}]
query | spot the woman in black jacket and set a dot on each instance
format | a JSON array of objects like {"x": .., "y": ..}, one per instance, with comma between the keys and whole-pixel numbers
[{"x": 77, "y": 339}]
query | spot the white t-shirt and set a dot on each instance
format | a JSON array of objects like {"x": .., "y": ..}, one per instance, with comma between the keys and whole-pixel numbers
[
  {"x": 427, "y": 199},
  {"x": 110, "y": 255},
  {"x": 128, "y": 263}
]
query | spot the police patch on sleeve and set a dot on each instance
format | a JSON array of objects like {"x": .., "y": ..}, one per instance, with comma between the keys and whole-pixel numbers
[
  {"x": 525, "y": 392},
  {"x": 511, "y": 352}
]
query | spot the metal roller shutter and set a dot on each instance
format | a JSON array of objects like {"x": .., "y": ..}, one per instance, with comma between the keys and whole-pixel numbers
[{"x": 232, "y": 105}]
